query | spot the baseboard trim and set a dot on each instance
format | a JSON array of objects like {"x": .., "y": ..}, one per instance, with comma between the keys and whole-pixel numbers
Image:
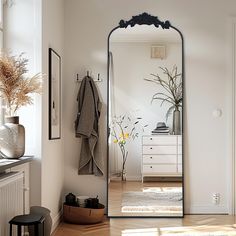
[
  {"x": 56, "y": 221},
  {"x": 133, "y": 178},
  {"x": 206, "y": 209}
]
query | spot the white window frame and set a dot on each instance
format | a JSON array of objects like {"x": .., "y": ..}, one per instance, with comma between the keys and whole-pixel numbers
[{"x": 2, "y": 3}]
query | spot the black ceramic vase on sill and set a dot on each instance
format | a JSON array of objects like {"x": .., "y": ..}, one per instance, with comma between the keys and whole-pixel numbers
[{"x": 12, "y": 138}]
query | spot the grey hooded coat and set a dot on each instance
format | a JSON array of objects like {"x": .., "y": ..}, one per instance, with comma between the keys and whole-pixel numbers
[{"x": 91, "y": 160}]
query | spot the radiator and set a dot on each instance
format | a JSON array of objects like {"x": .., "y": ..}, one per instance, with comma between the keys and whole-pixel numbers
[{"x": 11, "y": 199}]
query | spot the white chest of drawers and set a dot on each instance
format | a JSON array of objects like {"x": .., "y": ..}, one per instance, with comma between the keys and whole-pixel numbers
[{"x": 162, "y": 156}]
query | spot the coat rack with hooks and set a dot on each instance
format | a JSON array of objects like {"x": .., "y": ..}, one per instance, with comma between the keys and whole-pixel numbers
[{"x": 98, "y": 79}]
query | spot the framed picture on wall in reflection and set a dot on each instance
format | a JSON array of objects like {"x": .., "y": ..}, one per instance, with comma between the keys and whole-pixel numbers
[{"x": 54, "y": 78}]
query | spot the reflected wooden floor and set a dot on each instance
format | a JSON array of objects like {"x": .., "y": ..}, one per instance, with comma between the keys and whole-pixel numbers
[
  {"x": 117, "y": 188},
  {"x": 190, "y": 225}
]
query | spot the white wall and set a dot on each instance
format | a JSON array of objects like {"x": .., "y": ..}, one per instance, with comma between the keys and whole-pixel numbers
[
  {"x": 133, "y": 95},
  {"x": 203, "y": 24},
  {"x": 22, "y": 33},
  {"x": 133, "y": 64},
  {"x": 52, "y": 150}
]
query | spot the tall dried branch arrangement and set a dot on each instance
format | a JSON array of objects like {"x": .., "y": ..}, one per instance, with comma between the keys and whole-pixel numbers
[
  {"x": 15, "y": 87},
  {"x": 172, "y": 86},
  {"x": 123, "y": 128}
]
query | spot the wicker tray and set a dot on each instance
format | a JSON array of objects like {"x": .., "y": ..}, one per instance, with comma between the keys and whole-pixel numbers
[{"x": 79, "y": 215}]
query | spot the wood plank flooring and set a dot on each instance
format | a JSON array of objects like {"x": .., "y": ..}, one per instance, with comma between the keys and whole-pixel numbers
[{"x": 190, "y": 225}]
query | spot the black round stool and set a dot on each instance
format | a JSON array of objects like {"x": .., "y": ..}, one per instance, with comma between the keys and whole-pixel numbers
[{"x": 27, "y": 220}]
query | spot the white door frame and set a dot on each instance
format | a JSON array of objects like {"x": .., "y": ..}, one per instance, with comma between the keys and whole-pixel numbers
[{"x": 232, "y": 162}]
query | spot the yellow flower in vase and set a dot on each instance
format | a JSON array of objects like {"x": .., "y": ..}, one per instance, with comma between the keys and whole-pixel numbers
[
  {"x": 123, "y": 129},
  {"x": 115, "y": 141},
  {"x": 124, "y": 136}
]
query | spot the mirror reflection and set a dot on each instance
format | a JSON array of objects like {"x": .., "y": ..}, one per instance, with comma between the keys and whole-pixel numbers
[{"x": 145, "y": 121}]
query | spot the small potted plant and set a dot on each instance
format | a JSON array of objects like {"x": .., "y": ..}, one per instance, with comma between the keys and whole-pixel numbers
[{"x": 15, "y": 91}]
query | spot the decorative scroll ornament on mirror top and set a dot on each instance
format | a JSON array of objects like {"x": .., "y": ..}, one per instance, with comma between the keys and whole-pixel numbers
[{"x": 145, "y": 19}]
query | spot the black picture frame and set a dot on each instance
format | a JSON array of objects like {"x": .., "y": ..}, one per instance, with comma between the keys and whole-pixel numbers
[
  {"x": 54, "y": 102},
  {"x": 145, "y": 19}
]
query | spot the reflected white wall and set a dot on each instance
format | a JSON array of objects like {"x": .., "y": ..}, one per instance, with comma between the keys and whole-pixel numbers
[{"x": 132, "y": 94}]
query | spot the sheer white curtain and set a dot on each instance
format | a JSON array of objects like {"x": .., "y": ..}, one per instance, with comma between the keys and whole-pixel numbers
[
  {"x": 114, "y": 165},
  {"x": 2, "y": 110}
]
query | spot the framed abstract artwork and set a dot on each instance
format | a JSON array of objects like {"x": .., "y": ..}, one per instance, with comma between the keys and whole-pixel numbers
[{"x": 54, "y": 79}]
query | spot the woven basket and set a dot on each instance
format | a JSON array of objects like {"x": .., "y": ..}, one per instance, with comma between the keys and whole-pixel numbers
[{"x": 79, "y": 215}]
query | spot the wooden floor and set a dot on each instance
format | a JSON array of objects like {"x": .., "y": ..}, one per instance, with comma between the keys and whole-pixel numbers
[
  {"x": 117, "y": 188},
  {"x": 190, "y": 225}
]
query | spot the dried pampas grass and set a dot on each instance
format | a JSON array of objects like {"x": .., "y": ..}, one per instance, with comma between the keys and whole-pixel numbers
[{"x": 15, "y": 88}]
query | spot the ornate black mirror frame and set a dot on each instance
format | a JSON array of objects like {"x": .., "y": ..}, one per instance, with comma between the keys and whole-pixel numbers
[{"x": 144, "y": 19}]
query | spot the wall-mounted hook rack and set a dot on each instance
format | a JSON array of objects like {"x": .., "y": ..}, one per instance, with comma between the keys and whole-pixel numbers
[{"x": 79, "y": 78}]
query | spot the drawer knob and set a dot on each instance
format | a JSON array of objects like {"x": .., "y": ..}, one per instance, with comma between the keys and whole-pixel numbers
[
  {"x": 150, "y": 138},
  {"x": 150, "y": 147},
  {"x": 150, "y": 157},
  {"x": 150, "y": 166}
]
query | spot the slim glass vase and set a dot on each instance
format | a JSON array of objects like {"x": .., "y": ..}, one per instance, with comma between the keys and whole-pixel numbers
[{"x": 123, "y": 175}]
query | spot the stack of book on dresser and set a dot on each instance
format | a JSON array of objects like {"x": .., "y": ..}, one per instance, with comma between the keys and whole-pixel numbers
[{"x": 161, "y": 129}]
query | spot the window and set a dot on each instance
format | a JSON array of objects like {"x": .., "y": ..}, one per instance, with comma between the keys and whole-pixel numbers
[
  {"x": 1, "y": 24},
  {"x": 2, "y": 110}
]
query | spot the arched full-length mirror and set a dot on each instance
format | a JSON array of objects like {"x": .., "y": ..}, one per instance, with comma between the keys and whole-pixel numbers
[{"x": 145, "y": 106}]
